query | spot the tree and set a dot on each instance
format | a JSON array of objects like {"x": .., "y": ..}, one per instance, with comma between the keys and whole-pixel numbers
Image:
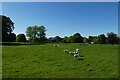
[
  {"x": 12, "y": 37},
  {"x": 36, "y": 33},
  {"x": 50, "y": 40},
  {"x": 29, "y": 32},
  {"x": 58, "y": 39},
  {"x": 118, "y": 40},
  {"x": 70, "y": 39},
  {"x": 112, "y": 38},
  {"x": 7, "y": 29},
  {"x": 77, "y": 38},
  {"x": 95, "y": 40},
  {"x": 102, "y": 39},
  {"x": 21, "y": 38},
  {"x": 91, "y": 39},
  {"x": 41, "y": 33},
  {"x": 85, "y": 40},
  {"x": 65, "y": 39}
]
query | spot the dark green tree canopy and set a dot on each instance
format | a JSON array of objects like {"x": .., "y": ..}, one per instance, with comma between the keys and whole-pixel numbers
[
  {"x": 50, "y": 39},
  {"x": 58, "y": 39},
  {"x": 65, "y": 39},
  {"x": 77, "y": 38},
  {"x": 7, "y": 29},
  {"x": 112, "y": 38},
  {"x": 102, "y": 39},
  {"x": 21, "y": 38}
]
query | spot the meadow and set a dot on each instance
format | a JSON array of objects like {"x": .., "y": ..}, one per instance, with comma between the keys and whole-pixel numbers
[{"x": 47, "y": 61}]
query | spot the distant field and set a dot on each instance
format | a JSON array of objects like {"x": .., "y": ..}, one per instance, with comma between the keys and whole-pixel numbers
[{"x": 47, "y": 61}]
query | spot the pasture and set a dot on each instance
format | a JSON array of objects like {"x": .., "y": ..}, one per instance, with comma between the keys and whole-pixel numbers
[{"x": 47, "y": 61}]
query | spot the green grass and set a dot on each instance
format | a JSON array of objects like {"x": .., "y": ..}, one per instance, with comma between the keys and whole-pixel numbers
[{"x": 46, "y": 61}]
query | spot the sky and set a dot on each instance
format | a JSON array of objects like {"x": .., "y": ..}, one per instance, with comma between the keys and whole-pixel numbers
[
  {"x": 64, "y": 18},
  {"x": 60, "y": 0}
]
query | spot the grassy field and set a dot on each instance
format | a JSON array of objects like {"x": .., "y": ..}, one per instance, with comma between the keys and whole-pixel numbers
[{"x": 47, "y": 61}]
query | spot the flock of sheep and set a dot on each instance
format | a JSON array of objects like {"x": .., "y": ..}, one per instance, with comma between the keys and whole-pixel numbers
[
  {"x": 56, "y": 45},
  {"x": 75, "y": 54}
]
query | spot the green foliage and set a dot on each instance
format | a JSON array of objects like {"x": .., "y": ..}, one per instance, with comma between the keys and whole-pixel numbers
[
  {"x": 95, "y": 40},
  {"x": 21, "y": 38},
  {"x": 29, "y": 33},
  {"x": 46, "y": 61},
  {"x": 112, "y": 38},
  {"x": 91, "y": 38},
  {"x": 12, "y": 37},
  {"x": 102, "y": 39},
  {"x": 7, "y": 29},
  {"x": 77, "y": 38},
  {"x": 70, "y": 39},
  {"x": 85, "y": 40},
  {"x": 65, "y": 39},
  {"x": 36, "y": 33},
  {"x": 41, "y": 33},
  {"x": 58, "y": 39},
  {"x": 50, "y": 40}
]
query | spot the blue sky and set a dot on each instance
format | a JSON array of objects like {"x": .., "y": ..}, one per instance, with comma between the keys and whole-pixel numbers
[{"x": 64, "y": 18}]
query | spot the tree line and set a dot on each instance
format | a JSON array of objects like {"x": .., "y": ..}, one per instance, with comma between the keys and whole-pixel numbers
[{"x": 38, "y": 34}]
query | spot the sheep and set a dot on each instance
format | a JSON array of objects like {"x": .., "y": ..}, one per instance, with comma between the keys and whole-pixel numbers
[
  {"x": 92, "y": 42},
  {"x": 66, "y": 51},
  {"x": 3, "y": 46},
  {"x": 55, "y": 45},
  {"x": 76, "y": 55},
  {"x": 77, "y": 50},
  {"x": 72, "y": 53}
]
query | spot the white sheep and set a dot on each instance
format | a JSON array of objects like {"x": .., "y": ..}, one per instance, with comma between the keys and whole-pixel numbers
[
  {"x": 76, "y": 55},
  {"x": 92, "y": 42},
  {"x": 77, "y": 50},
  {"x": 72, "y": 53},
  {"x": 66, "y": 51},
  {"x": 55, "y": 45}
]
